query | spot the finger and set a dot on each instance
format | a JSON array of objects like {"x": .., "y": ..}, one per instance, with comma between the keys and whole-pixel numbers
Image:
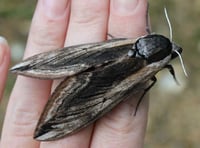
[
  {"x": 4, "y": 63},
  {"x": 120, "y": 127},
  {"x": 88, "y": 23},
  {"x": 128, "y": 18},
  {"x": 30, "y": 95}
]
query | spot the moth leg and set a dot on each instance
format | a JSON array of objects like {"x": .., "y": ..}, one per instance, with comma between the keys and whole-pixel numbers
[
  {"x": 148, "y": 27},
  {"x": 110, "y": 35},
  {"x": 172, "y": 72},
  {"x": 145, "y": 91}
]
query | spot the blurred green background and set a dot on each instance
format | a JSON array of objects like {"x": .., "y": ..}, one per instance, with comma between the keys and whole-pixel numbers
[{"x": 174, "y": 119}]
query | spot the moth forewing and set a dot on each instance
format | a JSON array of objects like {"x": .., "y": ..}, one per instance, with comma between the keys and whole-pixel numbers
[
  {"x": 73, "y": 59},
  {"x": 83, "y": 101}
]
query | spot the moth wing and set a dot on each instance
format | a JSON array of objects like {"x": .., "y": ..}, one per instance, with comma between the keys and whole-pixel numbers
[
  {"x": 73, "y": 59},
  {"x": 83, "y": 98}
]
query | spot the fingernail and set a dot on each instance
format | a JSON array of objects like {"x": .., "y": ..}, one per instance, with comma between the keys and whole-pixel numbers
[
  {"x": 3, "y": 43},
  {"x": 55, "y": 8},
  {"x": 125, "y": 6}
]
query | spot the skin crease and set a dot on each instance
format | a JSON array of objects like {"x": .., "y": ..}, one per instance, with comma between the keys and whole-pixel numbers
[{"x": 54, "y": 25}]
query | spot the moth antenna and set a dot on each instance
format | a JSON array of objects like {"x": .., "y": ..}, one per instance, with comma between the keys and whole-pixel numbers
[
  {"x": 182, "y": 64},
  {"x": 171, "y": 34},
  {"x": 169, "y": 23}
]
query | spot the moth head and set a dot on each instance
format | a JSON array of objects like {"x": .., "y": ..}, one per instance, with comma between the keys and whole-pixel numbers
[
  {"x": 153, "y": 48},
  {"x": 176, "y": 48},
  {"x": 176, "y": 52}
]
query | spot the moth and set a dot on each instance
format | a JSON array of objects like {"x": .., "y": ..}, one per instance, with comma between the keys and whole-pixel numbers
[{"x": 98, "y": 76}]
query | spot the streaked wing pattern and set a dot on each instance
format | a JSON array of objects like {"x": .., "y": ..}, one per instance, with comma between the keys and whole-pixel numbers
[
  {"x": 86, "y": 95},
  {"x": 73, "y": 59}
]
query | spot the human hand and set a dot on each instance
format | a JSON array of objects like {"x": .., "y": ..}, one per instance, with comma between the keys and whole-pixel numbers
[
  {"x": 54, "y": 25},
  {"x": 4, "y": 63}
]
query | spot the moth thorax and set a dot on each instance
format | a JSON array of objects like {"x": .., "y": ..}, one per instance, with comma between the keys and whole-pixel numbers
[{"x": 153, "y": 48}]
